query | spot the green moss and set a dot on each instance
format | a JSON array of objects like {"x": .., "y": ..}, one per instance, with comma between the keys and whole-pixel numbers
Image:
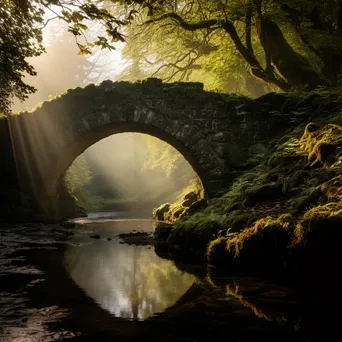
[
  {"x": 262, "y": 246},
  {"x": 197, "y": 206},
  {"x": 305, "y": 199},
  {"x": 236, "y": 220},
  {"x": 323, "y": 152},
  {"x": 191, "y": 197},
  {"x": 284, "y": 153},
  {"x": 159, "y": 213},
  {"x": 323, "y": 218},
  {"x": 263, "y": 193},
  {"x": 322, "y": 145},
  {"x": 310, "y": 128},
  {"x": 196, "y": 231},
  {"x": 272, "y": 175},
  {"x": 268, "y": 231},
  {"x": 300, "y": 176},
  {"x": 216, "y": 252},
  {"x": 175, "y": 212},
  {"x": 318, "y": 225},
  {"x": 282, "y": 209}
]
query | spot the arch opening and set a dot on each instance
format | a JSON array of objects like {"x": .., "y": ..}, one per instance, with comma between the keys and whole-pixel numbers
[{"x": 129, "y": 174}]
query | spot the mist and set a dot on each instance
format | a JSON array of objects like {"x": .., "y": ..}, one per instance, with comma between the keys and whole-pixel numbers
[
  {"x": 129, "y": 172},
  {"x": 62, "y": 67}
]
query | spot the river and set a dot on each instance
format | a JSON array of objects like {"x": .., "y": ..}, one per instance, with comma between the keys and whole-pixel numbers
[{"x": 79, "y": 282}]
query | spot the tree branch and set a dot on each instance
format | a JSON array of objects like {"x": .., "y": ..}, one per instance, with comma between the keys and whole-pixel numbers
[
  {"x": 294, "y": 17},
  {"x": 260, "y": 20},
  {"x": 248, "y": 28},
  {"x": 185, "y": 25},
  {"x": 256, "y": 68}
]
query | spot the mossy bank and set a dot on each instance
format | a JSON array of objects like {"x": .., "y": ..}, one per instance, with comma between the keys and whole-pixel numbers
[{"x": 284, "y": 214}]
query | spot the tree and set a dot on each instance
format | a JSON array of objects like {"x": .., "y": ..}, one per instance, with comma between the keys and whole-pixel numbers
[
  {"x": 20, "y": 38},
  {"x": 287, "y": 43},
  {"x": 275, "y": 56},
  {"x": 172, "y": 54},
  {"x": 21, "y": 25},
  {"x": 61, "y": 68}
]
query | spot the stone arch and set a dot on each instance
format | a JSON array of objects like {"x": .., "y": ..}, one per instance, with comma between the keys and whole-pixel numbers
[
  {"x": 112, "y": 129},
  {"x": 214, "y": 132}
]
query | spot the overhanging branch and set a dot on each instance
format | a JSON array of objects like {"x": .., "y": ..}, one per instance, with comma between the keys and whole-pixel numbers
[
  {"x": 248, "y": 27},
  {"x": 246, "y": 52},
  {"x": 184, "y": 24}
]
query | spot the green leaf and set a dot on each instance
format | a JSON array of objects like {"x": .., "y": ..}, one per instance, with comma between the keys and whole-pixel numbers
[{"x": 83, "y": 52}]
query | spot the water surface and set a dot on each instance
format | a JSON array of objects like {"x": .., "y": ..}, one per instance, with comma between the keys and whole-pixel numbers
[
  {"x": 129, "y": 281},
  {"x": 80, "y": 283}
]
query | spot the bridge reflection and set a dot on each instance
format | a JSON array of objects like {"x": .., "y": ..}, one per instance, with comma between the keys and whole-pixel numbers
[{"x": 129, "y": 281}]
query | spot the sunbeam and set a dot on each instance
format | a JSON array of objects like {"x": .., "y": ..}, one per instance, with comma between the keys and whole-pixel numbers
[{"x": 129, "y": 172}]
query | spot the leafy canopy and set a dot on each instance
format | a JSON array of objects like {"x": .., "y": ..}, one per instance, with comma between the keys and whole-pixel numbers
[
  {"x": 287, "y": 43},
  {"x": 21, "y": 25}
]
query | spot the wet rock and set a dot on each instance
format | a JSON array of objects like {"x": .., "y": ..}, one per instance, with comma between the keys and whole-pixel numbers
[
  {"x": 275, "y": 99},
  {"x": 133, "y": 234},
  {"x": 158, "y": 213},
  {"x": 68, "y": 224},
  {"x": 190, "y": 198},
  {"x": 136, "y": 238},
  {"x": 199, "y": 205},
  {"x": 81, "y": 211},
  {"x": 162, "y": 231}
]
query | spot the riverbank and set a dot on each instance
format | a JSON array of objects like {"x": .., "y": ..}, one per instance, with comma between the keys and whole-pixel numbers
[{"x": 284, "y": 214}]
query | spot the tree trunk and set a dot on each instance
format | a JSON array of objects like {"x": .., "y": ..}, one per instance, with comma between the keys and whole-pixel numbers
[
  {"x": 291, "y": 65},
  {"x": 332, "y": 58},
  {"x": 339, "y": 19}
]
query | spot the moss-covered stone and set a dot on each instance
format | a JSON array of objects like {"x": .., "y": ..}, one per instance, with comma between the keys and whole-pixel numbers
[
  {"x": 323, "y": 145},
  {"x": 262, "y": 246},
  {"x": 190, "y": 198},
  {"x": 195, "y": 236},
  {"x": 217, "y": 252},
  {"x": 162, "y": 231},
  {"x": 278, "y": 215},
  {"x": 263, "y": 193},
  {"x": 305, "y": 199},
  {"x": 236, "y": 220},
  {"x": 195, "y": 207},
  {"x": 159, "y": 213}
]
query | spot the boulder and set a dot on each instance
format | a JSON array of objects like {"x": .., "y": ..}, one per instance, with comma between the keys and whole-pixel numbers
[{"x": 162, "y": 231}]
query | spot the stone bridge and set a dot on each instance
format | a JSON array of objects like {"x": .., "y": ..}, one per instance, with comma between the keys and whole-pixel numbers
[{"x": 216, "y": 133}]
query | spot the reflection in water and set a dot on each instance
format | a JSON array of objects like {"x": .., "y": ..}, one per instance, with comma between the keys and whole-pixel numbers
[
  {"x": 39, "y": 303},
  {"x": 127, "y": 280}
]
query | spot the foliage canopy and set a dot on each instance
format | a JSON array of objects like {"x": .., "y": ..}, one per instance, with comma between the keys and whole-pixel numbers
[{"x": 286, "y": 43}]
